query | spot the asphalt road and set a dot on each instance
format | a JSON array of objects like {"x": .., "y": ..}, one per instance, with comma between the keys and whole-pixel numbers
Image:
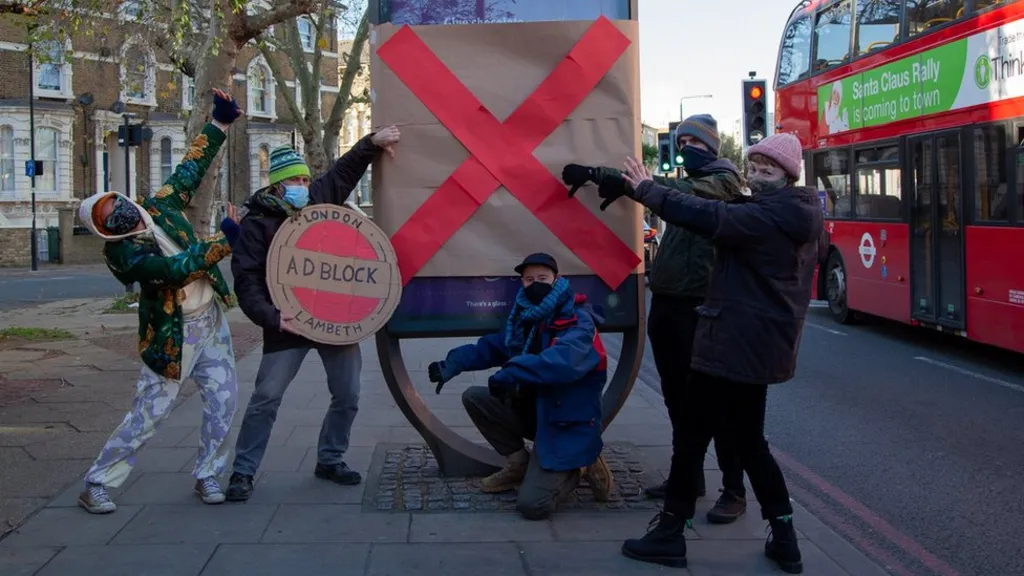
[{"x": 907, "y": 442}]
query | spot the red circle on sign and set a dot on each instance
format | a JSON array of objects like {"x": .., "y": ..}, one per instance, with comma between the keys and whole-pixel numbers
[{"x": 336, "y": 239}]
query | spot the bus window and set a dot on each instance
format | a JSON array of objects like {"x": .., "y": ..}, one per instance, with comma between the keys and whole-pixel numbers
[
  {"x": 980, "y": 5},
  {"x": 991, "y": 202},
  {"x": 795, "y": 59},
  {"x": 832, "y": 35},
  {"x": 878, "y": 183},
  {"x": 832, "y": 174},
  {"x": 878, "y": 24},
  {"x": 923, "y": 15}
]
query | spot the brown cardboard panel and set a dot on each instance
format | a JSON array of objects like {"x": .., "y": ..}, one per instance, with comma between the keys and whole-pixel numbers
[{"x": 502, "y": 64}]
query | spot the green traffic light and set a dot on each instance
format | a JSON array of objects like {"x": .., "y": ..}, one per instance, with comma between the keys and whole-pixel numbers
[
  {"x": 665, "y": 166},
  {"x": 679, "y": 159}
]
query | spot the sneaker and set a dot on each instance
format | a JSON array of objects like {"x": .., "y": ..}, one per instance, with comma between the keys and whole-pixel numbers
[
  {"x": 509, "y": 477},
  {"x": 339, "y": 473},
  {"x": 95, "y": 500},
  {"x": 658, "y": 492},
  {"x": 729, "y": 507},
  {"x": 239, "y": 487},
  {"x": 209, "y": 490},
  {"x": 599, "y": 477},
  {"x": 663, "y": 544},
  {"x": 781, "y": 547}
]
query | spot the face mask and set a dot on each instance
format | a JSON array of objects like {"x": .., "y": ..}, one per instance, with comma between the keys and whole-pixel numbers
[
  {"x": 297, "y": 196},
  {"x": 536, "y": 292},
  {"x": 694, "y": 158},
  {"x": 123, "y": 218},
  {"x": 758, "y": 186}
]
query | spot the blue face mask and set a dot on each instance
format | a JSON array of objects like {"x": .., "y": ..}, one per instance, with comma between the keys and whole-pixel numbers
[
  {"x": 297, "y": 196},
  {"x": 696, "y": 159}
]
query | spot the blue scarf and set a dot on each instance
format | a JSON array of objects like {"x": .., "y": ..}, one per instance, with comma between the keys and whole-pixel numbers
[{"x": 524, "y": 313}]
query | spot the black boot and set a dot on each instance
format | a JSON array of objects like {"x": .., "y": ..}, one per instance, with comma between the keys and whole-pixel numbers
[
  {"x": 658, "y": 492},
  {"x": 729, "y": 507},
  {"x": 781, "y": 546},
  {"x": 663, "y": 544},
  {"x": 339, "y": 473},
  {"x": 239, "y": 488}
]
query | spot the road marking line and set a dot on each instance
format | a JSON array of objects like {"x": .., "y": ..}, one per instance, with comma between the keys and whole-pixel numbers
[
  {"x": 967, "y": 372},
  {"x": 820, "y": 327}
]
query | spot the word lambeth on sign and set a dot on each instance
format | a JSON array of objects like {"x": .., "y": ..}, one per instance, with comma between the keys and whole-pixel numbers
[
  {"x": 502, "y": 152},
  {"x": 335, "y": 272}
]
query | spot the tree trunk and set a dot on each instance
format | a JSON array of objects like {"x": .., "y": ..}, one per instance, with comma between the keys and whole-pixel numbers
[{"x": 316, "y": 158}]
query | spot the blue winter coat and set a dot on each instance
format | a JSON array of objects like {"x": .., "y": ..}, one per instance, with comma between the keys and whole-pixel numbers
[{"x": 568, "y": 376}]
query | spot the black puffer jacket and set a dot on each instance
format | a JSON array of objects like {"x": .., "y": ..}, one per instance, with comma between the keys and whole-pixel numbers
[
  {"x": 765, "y": 252},
  {"x": 266, "y": 214}
]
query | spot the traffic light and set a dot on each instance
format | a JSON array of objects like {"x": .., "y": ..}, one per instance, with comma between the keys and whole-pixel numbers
[
  {"x": 755, "y": 112},
  {"x": 676, "y": 154},
  {"x": 665, "y": 152}
]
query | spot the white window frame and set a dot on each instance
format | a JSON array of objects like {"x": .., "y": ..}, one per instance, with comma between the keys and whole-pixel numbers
[
  {"x": 65, "y": 72},
  {"x": 264, "y": 172},
  {"x": 312, "y": 33},
  {"x": 138, "y": 45},
  {"x": 50, "y": 165},
  {"x": 166, "y": 161},
  {"x": 9, "y": 187},
  {"x": 130, "y": 10},
  {"x": 271, "y": 112},
  {"x": 188, "y": 92}
]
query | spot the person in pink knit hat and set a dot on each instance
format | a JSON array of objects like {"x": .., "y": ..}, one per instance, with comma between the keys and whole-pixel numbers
[{"x": 747, "y": 338}]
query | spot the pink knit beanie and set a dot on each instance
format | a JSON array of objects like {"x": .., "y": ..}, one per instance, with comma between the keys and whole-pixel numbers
[{"x": 784, "y": 149}]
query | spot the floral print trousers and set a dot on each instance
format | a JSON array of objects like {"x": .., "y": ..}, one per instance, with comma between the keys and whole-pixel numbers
[{"x": 210, "y": 361}]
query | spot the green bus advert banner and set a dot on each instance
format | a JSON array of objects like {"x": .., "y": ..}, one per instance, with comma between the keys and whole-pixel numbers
[{"x": 981, "y": 68}]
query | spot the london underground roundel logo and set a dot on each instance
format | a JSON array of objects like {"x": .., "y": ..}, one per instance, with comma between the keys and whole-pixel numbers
[
  {"x": 867, "y": 250},
  {"x": 335, "y": 272}
]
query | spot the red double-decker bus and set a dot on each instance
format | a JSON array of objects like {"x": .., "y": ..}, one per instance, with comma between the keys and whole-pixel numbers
[{"x": 911, "y": 116}]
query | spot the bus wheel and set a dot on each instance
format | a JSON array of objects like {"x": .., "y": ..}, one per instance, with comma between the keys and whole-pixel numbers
[{"x": 835, "y": 288}]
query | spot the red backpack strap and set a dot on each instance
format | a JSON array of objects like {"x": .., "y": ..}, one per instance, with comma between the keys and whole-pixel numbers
[{"x": 599, "y": 347}]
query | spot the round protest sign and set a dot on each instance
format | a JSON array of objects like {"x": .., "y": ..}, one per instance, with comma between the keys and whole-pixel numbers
[{"x": 335, "y": 272}]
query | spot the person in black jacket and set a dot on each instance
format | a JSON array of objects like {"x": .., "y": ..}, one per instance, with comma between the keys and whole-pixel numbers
[
  {"x": 284, "y": 349},
  {"x": 747, "y": 338}
]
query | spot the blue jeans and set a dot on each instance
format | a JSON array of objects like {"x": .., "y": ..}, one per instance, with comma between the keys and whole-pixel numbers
[{"x": 277, "y": 370}]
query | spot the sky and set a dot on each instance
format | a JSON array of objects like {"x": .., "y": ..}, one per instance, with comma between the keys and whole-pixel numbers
[{"x": 693, "y": 48}]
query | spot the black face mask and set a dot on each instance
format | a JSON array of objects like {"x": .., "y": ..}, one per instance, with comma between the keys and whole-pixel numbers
[
  {"x": 536, "y": 292},
  {"x": 695, "y": 159},
  {"x": 123, "y": 218}
]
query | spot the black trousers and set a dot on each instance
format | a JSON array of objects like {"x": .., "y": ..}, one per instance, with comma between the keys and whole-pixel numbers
[
  {"x": 670, "y": 327},
  {"x": 737, "y": 422}
]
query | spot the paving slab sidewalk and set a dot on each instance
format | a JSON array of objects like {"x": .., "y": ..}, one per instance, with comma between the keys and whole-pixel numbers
[{"x": 297, "y": 524}]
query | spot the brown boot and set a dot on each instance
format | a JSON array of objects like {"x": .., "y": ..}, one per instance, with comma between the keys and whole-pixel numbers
[
  {"x": 599, "y": 477},
  {"x": 509, "y": 477}
]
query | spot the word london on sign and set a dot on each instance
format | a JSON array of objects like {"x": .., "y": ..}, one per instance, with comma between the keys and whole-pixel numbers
[{"x": 335, "y": 272}]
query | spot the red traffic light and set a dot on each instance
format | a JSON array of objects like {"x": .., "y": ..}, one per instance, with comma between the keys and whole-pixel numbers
[{"x": 756, "y": 92}]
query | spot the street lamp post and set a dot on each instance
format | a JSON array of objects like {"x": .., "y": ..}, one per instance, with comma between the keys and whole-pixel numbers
[
  {"x": 129, "y": 288},
  {"x": 34, "y": 241},
  {"x": 697, "y": 97}
]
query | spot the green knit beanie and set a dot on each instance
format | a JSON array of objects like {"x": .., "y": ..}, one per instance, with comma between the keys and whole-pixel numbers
[{"x": 286, "y": 163}]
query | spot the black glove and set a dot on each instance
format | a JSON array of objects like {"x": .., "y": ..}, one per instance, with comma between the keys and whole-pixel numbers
[
  {"x": 611, "y": 189},
  {"x": 435, "y": 373},
  {"x": 231, "y": 231},
  {"x": 575, "y": 175},
  {"x": 225, "y": 109}
]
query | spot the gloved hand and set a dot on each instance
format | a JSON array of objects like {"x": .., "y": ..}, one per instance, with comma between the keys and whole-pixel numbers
[
  {"x": 436, "y": 374},
  {"x": 611, "y": 189},
  {"x": 225, "y": 109},
  {"x": 576, "y": 175},
  {"x": 231, "y": 231}
]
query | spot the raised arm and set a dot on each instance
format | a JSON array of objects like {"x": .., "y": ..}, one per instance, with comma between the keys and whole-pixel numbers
[{"x": 335, "y": 185}]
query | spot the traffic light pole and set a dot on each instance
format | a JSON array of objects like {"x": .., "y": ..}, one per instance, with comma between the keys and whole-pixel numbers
[
  {"x": 129, "y": 288},
  {"x": 34, "y": 241}
]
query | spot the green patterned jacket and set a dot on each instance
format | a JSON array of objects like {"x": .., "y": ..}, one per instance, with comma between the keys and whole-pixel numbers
[{"x": 162, "y": 279}]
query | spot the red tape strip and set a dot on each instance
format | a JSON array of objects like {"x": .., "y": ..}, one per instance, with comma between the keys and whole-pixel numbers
[{"x": 503, "y": 153}]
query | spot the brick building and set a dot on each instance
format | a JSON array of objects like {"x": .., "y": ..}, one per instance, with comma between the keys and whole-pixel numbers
[
  {"x": 358, "y": 122},
  {"x": 76, "y": 125}
]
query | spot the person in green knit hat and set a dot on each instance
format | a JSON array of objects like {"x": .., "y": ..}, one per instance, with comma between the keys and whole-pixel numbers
[{"x": 291, "y": 189}]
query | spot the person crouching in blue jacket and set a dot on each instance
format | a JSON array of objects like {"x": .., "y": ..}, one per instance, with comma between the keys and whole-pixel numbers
[{"x": 548, "y": 390}]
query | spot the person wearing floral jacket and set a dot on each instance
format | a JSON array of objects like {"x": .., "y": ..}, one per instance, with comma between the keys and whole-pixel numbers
[{"x": 183, "y": 330}]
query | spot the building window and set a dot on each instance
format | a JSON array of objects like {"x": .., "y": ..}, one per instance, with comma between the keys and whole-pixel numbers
[
  {"x": 52, "y": 73},
  {"x": 264, "y": 161},
  {"x": 131, "y": 10},
  {"x": 832, "y": 35},
  {"x": 363, "y": 193},
  {"x": 6, "y": 160},
  {"x": 138, "y": 74},
  {"x": 991, "y": 202},
  {"x": 832, "y": 173},
  {"x": 306, "y": 34},
  {"x": 188, "y": 93},
  {"x": 364, "y": 124},
  {"x": 795, "y": 59},
  {"x": 878, "y": 24},
  {"x": 924, "y": 15},
  {"x": 166, "y": 160},
  {"x": 261, "y": 89},
  {"x": 46, "y": 151}
]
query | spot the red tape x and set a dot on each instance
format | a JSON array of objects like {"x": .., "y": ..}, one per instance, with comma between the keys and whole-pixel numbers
[{"x": 502, "y": 153}]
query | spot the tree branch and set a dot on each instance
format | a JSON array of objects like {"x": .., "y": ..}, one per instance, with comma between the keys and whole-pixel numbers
[
  {"x": 282, "y": 87},
  {"x": 252, "y": 26},
  {"x": 353, "y": 63}
]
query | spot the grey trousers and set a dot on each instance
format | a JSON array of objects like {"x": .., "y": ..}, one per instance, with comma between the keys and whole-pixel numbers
[
  {"x": 505, "y": 427},
  {"x": 277, "y": 370}
]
